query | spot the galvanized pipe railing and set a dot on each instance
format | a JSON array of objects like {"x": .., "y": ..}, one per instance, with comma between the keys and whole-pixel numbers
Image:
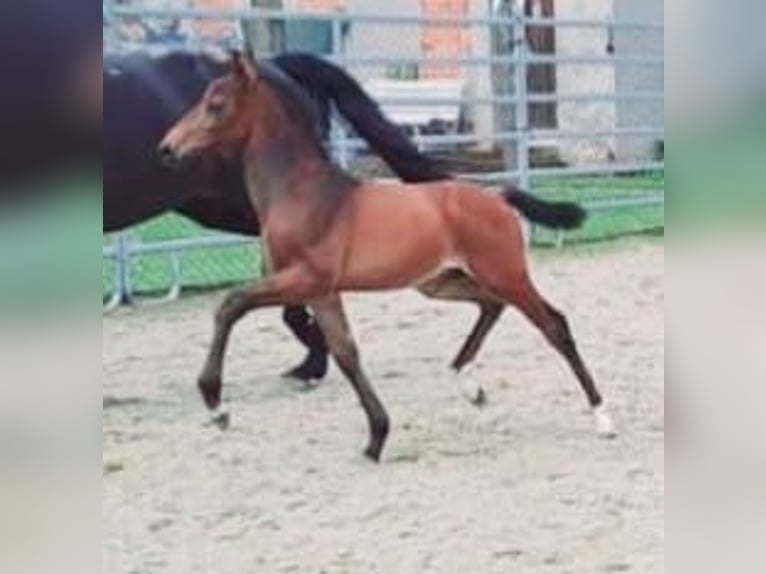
[{"x": 523, "y": 137}]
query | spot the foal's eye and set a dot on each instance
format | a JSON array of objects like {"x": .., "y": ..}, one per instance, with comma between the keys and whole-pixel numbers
[{"x": 216, "y": 108}]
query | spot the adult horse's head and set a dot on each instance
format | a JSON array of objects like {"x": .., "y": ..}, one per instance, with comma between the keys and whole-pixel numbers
[{"x": 220, "y": 122}]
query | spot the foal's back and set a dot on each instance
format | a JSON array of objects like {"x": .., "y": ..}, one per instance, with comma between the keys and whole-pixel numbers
[{"x": 400, "y": 235}]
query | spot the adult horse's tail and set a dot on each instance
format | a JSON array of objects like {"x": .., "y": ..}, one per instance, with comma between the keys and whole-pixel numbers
[
  {"x": 556, "y": 215},
  {"x": 330, "y": 83}
]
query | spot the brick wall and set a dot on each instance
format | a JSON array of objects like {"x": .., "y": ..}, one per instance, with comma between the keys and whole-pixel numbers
[
  {"x": 214, "y": 30},
  {"x": 440, "y": 41},
  {"x": 320, "y": 5}
]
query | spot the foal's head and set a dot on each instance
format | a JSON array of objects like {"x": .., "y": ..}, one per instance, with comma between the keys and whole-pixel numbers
[{"x": 221, "y": 122}]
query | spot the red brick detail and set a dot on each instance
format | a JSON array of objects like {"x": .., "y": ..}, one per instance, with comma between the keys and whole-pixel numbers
[
  {"x": 214, "y": 29},
  {"x": 320, "y": 5},
  {"x": 444, "y": 40}
]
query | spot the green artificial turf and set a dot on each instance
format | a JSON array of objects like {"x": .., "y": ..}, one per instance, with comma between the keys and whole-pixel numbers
[{"x": 209, "y": 268}]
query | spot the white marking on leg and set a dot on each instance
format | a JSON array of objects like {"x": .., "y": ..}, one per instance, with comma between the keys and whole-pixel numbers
[{"x": 604, "y": 425}]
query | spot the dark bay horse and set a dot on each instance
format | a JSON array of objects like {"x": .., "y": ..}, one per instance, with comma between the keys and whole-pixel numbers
[
  {"x": 324, "y": 233},
  {"x": 145, "y": 95}
]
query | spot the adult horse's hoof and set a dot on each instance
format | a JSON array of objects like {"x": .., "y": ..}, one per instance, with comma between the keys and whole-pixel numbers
[{"x": 312, "y": 369}]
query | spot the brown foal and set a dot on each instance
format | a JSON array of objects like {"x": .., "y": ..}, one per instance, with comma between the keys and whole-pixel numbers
[{"x": 325, "y": 233}]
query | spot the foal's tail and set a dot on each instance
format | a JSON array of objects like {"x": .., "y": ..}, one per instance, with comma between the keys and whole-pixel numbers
[{"x": 556, "y": 215}]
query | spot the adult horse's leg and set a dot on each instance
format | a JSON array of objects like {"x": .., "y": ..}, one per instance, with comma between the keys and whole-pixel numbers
[
  {"x": 332, "y": 318},
  {"x": 290, "y": 286},
  {"x": 306, "y": 330},
  {"x": 456, "y": 285}
]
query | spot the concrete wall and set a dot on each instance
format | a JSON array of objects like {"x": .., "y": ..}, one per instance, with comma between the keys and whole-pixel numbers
[
  {"x": 573, "y": 79},
  {"x": 480, "y": 77},
  {"x": 383, "y": 40},
  {"x": 639, "y": 77}
]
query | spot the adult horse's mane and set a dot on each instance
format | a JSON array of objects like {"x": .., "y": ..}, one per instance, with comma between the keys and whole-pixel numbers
[{"x": 329, "y": 83}]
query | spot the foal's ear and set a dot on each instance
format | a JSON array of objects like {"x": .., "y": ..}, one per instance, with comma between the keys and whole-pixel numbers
[{"x": 242, "y": 69}]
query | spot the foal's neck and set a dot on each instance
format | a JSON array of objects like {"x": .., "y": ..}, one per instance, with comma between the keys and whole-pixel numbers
[{"x": 283, "y": 158}]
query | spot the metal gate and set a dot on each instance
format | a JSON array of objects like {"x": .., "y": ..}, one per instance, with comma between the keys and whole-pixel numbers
[{"x": 620, "y": 122}]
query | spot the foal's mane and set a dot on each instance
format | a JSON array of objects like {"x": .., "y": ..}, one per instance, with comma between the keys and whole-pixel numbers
[
  {"x": 301, "y": 110},
  {"x": 299, "y": 107}
]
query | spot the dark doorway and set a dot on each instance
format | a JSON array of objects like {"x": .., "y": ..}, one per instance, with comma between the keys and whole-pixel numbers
[{"x": 541, "y": 78}]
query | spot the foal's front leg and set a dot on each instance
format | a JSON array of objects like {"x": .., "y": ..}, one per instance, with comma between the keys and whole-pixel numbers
[
  {"x": 332, "y": 318},
  {"x": 292, "y": 285}
]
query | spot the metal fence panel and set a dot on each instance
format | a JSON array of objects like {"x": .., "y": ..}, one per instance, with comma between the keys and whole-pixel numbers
[{"x": 166, "y": 255}]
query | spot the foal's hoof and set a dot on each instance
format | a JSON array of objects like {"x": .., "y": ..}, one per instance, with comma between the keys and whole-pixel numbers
[
  {"x": 211, "y": 392},
  {"x": 604, "y": 425},
  {"x": 377, "y": 442},
  {"x": 472, "y": 391},
  {"x": 373, "y": 452},
  {"x": 480, "y": 399},
  {"x": 311, "y": 370}
]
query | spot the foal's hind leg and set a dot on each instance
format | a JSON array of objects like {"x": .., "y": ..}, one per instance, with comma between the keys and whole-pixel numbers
[
  {"x": 456, "y": 285},
  {"x": 556, "y": 329},
  {"x": 489, "y": 313},
  {"x": 332, "y": 319}
]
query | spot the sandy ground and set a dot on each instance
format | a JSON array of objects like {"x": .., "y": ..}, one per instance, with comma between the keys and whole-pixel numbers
[{"x": 521, "y": 486}]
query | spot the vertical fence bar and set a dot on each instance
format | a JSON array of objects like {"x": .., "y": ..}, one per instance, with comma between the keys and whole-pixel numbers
[
  {"x": 338, "y": 135},
  {"x": 123, "y": 291},
  {"x": 521, "y": 124}
]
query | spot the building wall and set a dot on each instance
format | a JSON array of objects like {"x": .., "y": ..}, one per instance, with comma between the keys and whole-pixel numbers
[
  {"x": 214, "y": 30},
  {"x": 409, "y": 42},
  {"x": 369, "y": 40},
  {"x": 444, "y": 41},
  {"x": 639, "y": 77},
  {"x": 585, "y": 79},
  {"x": 479, "y": 78}
]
